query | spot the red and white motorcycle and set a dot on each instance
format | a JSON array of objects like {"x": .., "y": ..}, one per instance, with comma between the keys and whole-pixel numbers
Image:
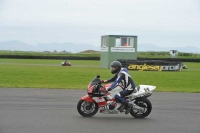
[{"x": 99, "y": 98}]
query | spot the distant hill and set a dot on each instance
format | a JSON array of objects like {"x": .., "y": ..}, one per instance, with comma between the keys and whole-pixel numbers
[
  {"x": 90, "y": 52},
  {"x": 15, "y": 45},
  {"x": 152, "y": 47},
  {"x": 69, "y": 47}
]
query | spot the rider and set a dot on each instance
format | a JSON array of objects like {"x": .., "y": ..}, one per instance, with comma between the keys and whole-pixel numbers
[{"x": 121, "y": 76}]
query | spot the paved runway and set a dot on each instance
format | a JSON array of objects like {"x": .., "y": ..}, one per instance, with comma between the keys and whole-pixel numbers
[{"x": 54, "y": 111}]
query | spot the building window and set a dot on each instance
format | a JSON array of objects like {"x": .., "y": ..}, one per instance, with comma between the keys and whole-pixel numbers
[
  {"x": 130, "y": 41},
  {"x": 104, "y": 42},
  {"x": 117, "y": 42},
  {"x": 124, "y": 42}
]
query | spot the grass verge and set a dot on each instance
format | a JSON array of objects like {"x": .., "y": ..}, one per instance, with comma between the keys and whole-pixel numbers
[{"x": 25, "y": 74}]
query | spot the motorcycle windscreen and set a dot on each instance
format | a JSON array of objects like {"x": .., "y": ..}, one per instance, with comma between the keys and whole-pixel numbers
[{"x": 95, "y": 81}]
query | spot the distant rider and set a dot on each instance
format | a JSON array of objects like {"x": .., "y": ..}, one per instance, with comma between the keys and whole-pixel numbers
[{"x": 121, "y": 76}]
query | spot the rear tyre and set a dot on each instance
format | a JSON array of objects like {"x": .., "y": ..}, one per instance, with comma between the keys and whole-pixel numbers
[
  {"x": 145, "y": 104},
  {"x": 87, "y": 109}
]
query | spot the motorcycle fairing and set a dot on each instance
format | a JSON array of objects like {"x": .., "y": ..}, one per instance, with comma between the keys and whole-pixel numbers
[{"x": 87, "y": 98}]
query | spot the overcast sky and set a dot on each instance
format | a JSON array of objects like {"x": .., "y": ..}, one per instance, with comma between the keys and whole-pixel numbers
[{"x": 160, "y": 22}]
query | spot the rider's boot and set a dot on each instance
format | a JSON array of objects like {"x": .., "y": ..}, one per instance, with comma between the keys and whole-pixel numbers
[
  {"x": 121, "y": 108},
  {"x": 128, "y": 107}
]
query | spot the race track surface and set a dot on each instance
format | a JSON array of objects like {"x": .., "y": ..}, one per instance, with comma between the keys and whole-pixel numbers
[{"x": 54, "y": 111}]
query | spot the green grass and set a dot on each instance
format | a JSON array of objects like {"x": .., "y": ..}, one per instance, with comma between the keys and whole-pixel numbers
[
  {"x": 53, "y": 62},
  {"x": 25, "y": 74},
  {"x": 167, "y": 55}
]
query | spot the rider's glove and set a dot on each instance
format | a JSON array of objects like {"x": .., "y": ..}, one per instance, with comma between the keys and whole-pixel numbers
[
  {"x": 104, "y": 81},
  {"x": 109, "y": 89}
]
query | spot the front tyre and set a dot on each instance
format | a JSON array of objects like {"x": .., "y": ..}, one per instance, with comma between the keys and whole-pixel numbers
[
  {"x": 87, "y": 109},
  {"x": 145, "y": 104}
]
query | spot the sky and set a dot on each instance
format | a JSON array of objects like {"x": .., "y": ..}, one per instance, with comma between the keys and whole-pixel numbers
[{"x": 166, "y": 23}]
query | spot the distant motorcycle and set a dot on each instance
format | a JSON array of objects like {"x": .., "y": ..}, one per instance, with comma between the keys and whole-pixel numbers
[
  {"x": 66, "y": 63},
  {"x": 99, "y": 98}
]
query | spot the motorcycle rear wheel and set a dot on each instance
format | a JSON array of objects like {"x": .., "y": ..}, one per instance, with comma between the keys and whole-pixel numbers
[
  {"x": 144, "y": 103},
  {"x": 87, "y": 109}
]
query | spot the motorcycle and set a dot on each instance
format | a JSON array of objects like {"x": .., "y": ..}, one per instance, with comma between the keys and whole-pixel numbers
[{"x": 99, "y": 98}]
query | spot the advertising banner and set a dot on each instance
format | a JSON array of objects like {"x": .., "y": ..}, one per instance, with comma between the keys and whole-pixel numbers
[
  {"x": 152, "y": 65},
  {"x": 104, "y": 49},
  {"x": 122, "y": 49}
]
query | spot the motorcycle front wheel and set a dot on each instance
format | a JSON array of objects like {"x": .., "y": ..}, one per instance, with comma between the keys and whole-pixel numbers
[
  {"x": 87, "y": 109},
  {"x": 145, "y": 104}
]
